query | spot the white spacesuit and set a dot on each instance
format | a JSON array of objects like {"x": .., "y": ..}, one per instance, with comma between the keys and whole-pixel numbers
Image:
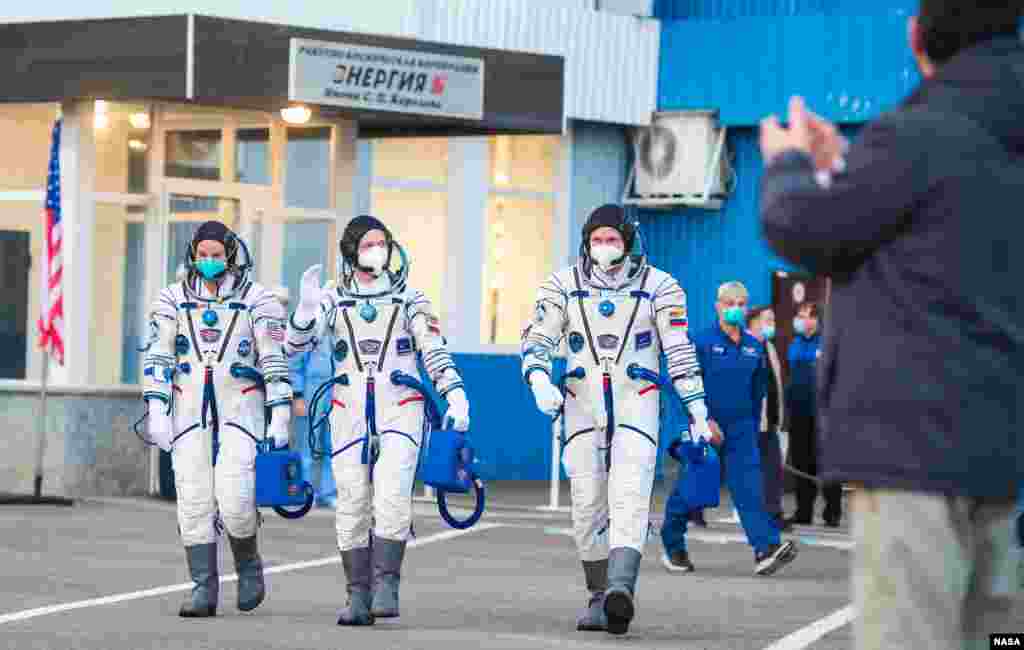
[
  {"x": 614, "y": 310},
  {"x": 375, "y": 325},
  {"x": 214, "y": 363}
]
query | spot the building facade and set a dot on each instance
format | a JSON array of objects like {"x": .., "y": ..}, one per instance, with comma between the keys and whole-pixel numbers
[{"x": 486, "y": 205}]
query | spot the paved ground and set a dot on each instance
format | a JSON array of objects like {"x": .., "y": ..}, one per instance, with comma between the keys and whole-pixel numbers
[{"x": 511, "y": 582}]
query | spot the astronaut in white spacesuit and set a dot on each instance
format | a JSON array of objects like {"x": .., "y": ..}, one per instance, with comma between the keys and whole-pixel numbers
[
  {"x": 375, "y": 325},
  {"x": 214, "y": 363},
  {"x": 615, "y": 310}
]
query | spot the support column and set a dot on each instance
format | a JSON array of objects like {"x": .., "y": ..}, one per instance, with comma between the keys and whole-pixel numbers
[
  {"x": 349, "y": 187},
  {"x": 466, "y": 231},
  {"x": 78, "y": 216},
  {"x": 155, "y": 250},
  {"x": 363, "y": 183},
  {"x": 562, "y": 253}
]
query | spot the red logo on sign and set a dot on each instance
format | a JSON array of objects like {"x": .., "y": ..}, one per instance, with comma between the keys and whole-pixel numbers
[{"x": 438, "y": 86}]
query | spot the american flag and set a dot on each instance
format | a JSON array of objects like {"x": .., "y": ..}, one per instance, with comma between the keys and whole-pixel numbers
[{"x": 51, "y": 303}]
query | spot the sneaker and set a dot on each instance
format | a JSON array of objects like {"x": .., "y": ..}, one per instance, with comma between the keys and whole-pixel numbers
[
  {"x": 774, "y": 558},
  {"x": 678, "y": 562}
]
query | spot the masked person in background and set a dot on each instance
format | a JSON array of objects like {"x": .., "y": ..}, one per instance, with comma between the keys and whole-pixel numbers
[
  {"x": 616, "y": 310},
  {"x": 375, "y": 325},
  {"x": 213, "y": 365},
  {"x": 308, "y": 371},
  {"x": 761, "y": 325},
  {"x": 804, "y": 352},
  {"x": 733, "y": 363}
]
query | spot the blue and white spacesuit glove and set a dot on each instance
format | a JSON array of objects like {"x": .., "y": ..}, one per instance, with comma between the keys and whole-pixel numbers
[
  {"x": 278, "y": 428},
  {"x": 699, "y": 415},
  {"x": 549, "y": 399},
  {"x": 310, "y": 294},
  {"x": 159, "y": 425},
  {"x": 458, "y": 410}
]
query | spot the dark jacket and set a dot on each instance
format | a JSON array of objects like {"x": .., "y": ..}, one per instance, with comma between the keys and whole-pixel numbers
[
  {"x": 803, "y": 364},
  {"x": 919, "y": 383},
  {"x": 735, "y": 375}
]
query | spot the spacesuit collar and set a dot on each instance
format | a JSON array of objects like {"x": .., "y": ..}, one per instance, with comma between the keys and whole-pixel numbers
[
  {"x": 225, "y": 290},
  {"x": 626, "y": 273},
  {"x": 615, "y": 278},
  {"x": 377, "y": 286}
]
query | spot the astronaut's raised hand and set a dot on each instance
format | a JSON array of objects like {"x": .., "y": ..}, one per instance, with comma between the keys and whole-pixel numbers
[
  {"x": 159, "y": 424},
  {"x": 278, "y": 429},
  {"x": 549, "y": 399},
  {"x": 310, "y": 294},
  {"x": 458, "y": 410}
]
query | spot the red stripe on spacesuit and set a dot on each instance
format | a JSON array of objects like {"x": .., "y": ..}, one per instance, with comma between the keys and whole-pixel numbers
[
  {"x": 571, "y": 393},
  {"x": 177, "y": 388},
  {"x": 414, "y": 398},
  {"x": 337, "y": 403},
  {"x": 250, "y": 389},
  {"x": 644, "y": 391}
]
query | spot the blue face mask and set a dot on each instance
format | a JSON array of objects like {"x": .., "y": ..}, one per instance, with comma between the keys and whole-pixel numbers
[
  {"x": 735, "y": 315},
  {"x": 768, "y": 332},
  {"x": 799, "y": 326},
  {"x": 210, "y": 269}
]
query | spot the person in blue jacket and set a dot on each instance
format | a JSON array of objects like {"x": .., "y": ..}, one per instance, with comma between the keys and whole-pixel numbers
[
  {"x": 804, "y": 352},
  {"x": 735, "y": 383},
  {"x": 309, "y": 370}
]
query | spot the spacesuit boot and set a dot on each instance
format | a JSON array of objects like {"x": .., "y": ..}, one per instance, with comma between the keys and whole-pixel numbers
[
  {"x": 623, "y": 566},
  {"x": 359, "y": 573},
  {"x": 387, "y": 564},
  {"x": 251, "y": 587},
  {"x": 202, "y": 567},
  {"x": 592, "y": 618}
]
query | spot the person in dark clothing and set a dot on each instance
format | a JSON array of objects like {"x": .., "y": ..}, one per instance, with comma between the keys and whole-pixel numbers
[
  {"x": 920, "y": 385},
  {"x": 800, "y": 400},
  {"x": 761, "y": 325}
]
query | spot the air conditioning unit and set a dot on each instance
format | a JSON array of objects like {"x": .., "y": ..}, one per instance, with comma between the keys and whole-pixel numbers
[{"x": 680, "y": 159}]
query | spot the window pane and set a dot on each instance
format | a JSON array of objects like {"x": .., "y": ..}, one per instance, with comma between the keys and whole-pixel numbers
[
  {"x": 525, "y": 162},
  {"x": 121, "y": 132},
  {"x": 252, "y": 156},
  {"x": 424, "y": 159},
  {"x": 519, "y": 258},
  {"x": 19, "y": 286},
  {"x": 307, "y": 175},
  {"x": 133, "y": 307},
  {"x": 14, "y": 283},
  {"x": 194, "y": 154},
  {"x": 25, "y": 130},
  {"x": 418, "y": 221},
  {"x": 118, "y": 274}
]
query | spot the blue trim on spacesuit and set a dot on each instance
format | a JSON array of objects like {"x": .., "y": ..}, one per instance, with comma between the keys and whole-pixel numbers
[
  {"x": 632, "y": 428},
  {"x": 243, "y": 430},
  {"x": 186, "y": 431}
]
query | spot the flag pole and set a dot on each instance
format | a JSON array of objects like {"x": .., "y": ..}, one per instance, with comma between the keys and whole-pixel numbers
[{"x": 41, "y": 429}]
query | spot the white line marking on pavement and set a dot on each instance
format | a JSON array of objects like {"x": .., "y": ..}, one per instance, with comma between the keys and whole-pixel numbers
[
  {"x": 806, "y": 636},
  {"x": 185, "y": 586}
]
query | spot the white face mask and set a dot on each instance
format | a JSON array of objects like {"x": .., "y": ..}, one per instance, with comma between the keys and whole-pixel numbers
[
  {"x": 604, "y": 255},
  {"x": 374, "y": 259}
]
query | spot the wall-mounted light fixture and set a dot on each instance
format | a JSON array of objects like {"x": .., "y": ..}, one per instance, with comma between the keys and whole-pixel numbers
[
  {"x": 139, "y": 120},
  {"x": 296, "y": 114}
]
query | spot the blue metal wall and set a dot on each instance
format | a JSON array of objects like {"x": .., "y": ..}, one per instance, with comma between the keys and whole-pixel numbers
[{"x": 849, "y": 67}]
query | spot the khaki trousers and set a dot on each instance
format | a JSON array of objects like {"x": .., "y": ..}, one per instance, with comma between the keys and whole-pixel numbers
[{"x": 931, "y": 571}]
